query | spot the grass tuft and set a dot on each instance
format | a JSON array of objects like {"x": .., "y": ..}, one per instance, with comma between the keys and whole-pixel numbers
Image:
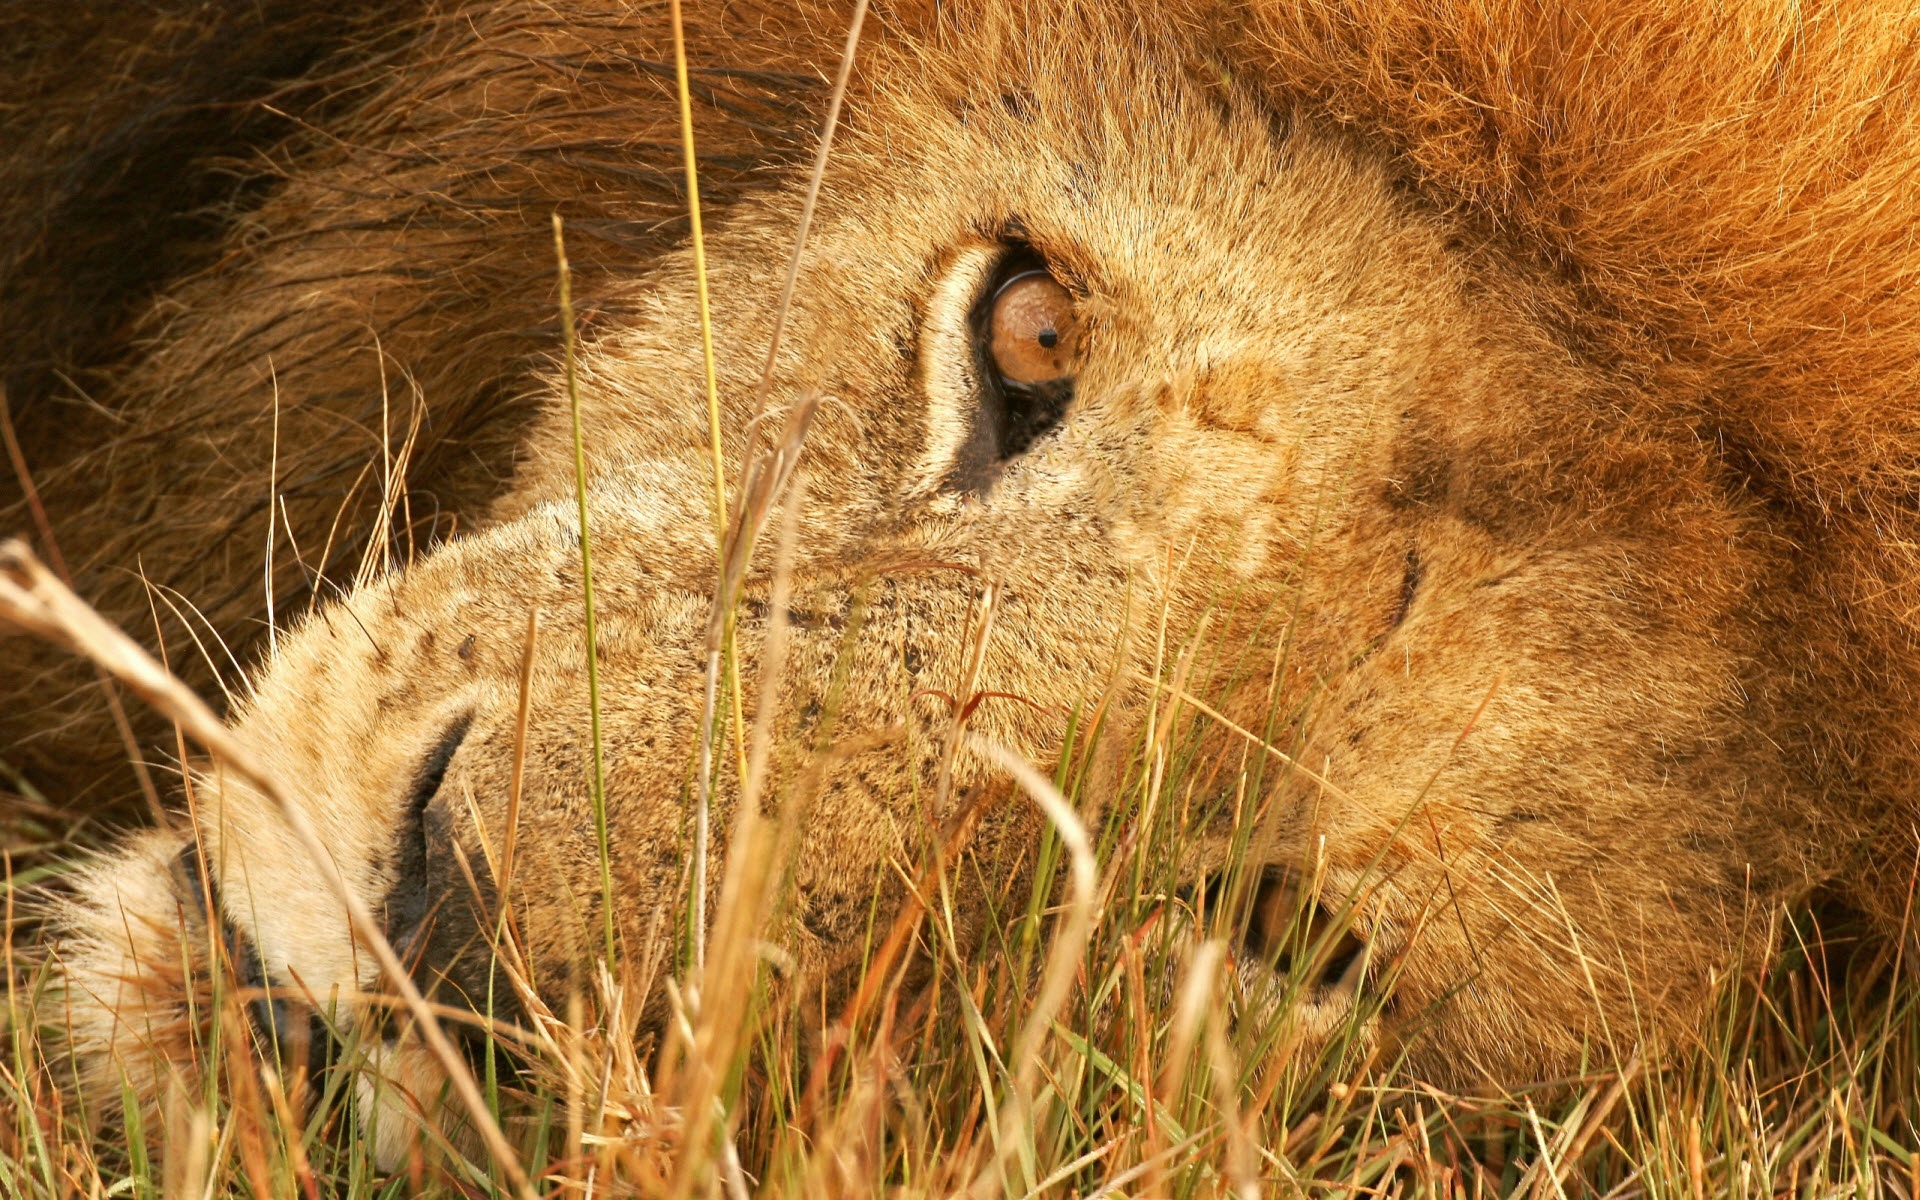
[{"x": 1130, "y": 1057}]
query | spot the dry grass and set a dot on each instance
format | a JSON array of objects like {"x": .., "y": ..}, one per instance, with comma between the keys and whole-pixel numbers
[{"x": 1085, "y": 1048}]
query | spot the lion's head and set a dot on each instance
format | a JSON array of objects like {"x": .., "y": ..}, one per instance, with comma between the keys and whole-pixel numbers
[{"x": 1133, "y": 361}]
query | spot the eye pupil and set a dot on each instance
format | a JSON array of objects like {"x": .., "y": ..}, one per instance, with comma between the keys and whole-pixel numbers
[{"x": 1033, "y": 330}]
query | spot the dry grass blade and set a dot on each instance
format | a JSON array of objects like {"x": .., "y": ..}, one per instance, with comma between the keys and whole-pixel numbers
[
  {"x": 1549, "y": 1175},
  {"x": 1281, "y": 756},
  {"x": 517, "y": 784},
  {"x": 31, "y": 598},
  {"x": 760, "y": 480},
  {"x": 720, "y": 646},
  {"x": 807, "y": 206},
  {"x": 1196, "y": 992},
  {"x": 599, "y": 770},
  {"x": 1063, "y": 962},
  {"x": 773, "y": 653},
  {"x": 1242, "y": 1159},
  {"x": 756, "y": 858}
]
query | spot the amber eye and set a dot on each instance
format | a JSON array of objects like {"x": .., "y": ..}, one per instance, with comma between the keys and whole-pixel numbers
[{"x": 1033, "y": 333}]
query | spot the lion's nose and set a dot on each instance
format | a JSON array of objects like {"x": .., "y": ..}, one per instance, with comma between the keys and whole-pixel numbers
[{"x": 1295, "y": 933}]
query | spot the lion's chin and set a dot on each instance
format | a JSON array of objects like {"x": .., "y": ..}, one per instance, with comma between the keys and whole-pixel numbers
[
  {"x": 1301, "y": 972},
  {"x": 1302, "y": 961},
  {"x": 1311, "y": 1016}
]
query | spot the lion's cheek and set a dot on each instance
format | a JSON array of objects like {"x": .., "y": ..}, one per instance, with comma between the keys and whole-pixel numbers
[{"x": 1504, "y": 816}]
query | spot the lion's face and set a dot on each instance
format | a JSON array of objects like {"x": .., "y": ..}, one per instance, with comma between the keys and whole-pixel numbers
[{"x": 1101, "y": 349}]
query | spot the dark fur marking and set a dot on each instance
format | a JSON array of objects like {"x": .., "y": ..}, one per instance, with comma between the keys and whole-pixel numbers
[
  {"x": 431, "y": 912},
  {"x": 1409, "y": 587},
  {"x": 405, "y": 907}
]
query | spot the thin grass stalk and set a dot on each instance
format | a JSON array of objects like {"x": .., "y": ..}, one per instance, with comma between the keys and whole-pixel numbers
[
  {"x": 703, "y": 801},
  {"x": 712, "y": 1034},
  {"x": 876, "y": 971},
  {"x": 1242, "y": 1159},
  {"x": 298, "y": 1164},
  {"x": 17, "y": 1028},
  {"x": 964, "y": 698},
  {"x": 517, "y": 785},
  {"x": 731, "y": 570},
  {"x": 807, "y": 205},
  {"x": 1227, "y": 723},
  {"x": 745, "y": 907},
  {"x": 586, "y": 588},
  {"x": 773, "y": 651},
  {"x": 1155, "y": 1162},
  {"x": 1063, "y": 962},
  {"x": 333, "y": 530},
  {"x": 755, "y": 869},
  {"x": 31, "y": 598},
  {"x": 186, "y": 613},
  {"x": 720, "y": 649},
  {"x": 386, "y": 471},
  {"x": 378, "y": 555},
  {"x": 273, "y": 488},
  {"x": 1203, "y": 973}
]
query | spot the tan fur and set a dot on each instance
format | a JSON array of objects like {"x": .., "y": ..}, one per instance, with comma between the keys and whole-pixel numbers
[
  {"x": 1529, "y": 394},
  {"x": 133, "y": 958}
]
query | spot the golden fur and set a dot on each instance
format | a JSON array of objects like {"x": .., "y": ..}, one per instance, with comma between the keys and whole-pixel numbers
[{"x": 1528, "y": 397}]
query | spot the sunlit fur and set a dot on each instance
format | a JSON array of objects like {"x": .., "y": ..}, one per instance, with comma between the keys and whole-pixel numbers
[{"x": 1523, "y": 394}]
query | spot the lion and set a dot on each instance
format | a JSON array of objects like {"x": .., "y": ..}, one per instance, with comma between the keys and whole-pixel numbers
[{"x": 1526, "y": 395}]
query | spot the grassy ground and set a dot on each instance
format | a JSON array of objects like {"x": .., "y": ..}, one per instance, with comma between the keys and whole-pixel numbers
[{"x": 1154, "y": 1075}]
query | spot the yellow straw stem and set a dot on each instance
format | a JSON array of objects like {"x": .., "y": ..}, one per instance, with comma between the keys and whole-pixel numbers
[
  {"x": 700, "y": 274},
  {"x": 702, "y": 816},
  {"x": 586, "y": 587}
]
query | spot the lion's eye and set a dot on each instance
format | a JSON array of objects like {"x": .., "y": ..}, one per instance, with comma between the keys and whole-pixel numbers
[
  {"x": 1033, "y": 332},
  {"x": 1002, "y": 374}
]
